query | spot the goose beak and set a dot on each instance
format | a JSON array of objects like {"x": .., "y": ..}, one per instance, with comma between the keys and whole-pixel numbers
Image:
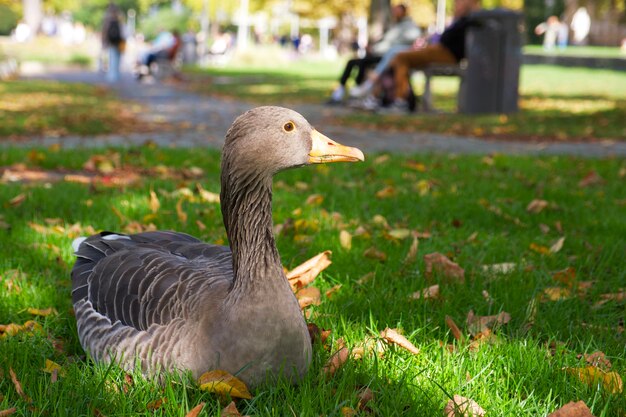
[{"x": 325, "y": 150}]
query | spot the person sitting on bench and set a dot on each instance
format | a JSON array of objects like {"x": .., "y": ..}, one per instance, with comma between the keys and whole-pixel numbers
[{"x": 165, "y": 46}]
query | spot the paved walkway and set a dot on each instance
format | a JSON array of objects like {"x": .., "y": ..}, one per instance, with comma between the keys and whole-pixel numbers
[{"x": 203, "y": 121}]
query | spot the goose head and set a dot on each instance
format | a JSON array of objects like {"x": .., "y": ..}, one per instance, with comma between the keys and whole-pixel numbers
[{"x": 269, "y": 139}]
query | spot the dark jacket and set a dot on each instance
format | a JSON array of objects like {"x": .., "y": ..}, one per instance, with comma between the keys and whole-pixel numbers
[{"x": 453, "y": 38}]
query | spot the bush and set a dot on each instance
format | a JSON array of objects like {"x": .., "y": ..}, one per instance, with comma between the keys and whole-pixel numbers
[
  {"x": 165, "y": 19},
  {"x": 8, "y": 20}
]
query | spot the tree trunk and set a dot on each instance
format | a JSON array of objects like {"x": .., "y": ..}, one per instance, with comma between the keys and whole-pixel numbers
[
  {"x": 33, "y": 13},
  {"x": 379, "y": 17}
]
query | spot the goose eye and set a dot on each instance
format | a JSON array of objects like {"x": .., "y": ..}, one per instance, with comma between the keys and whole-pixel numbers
[{"x": 289, "y": 127}]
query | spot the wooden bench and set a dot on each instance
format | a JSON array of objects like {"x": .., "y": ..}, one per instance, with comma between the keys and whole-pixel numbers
[{"x": 441, "y": 70}]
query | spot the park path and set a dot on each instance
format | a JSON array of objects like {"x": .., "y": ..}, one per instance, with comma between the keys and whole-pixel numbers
[{"x": 202, "y": 121}]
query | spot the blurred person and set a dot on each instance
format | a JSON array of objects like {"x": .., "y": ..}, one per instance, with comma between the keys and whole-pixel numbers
[
  {"x": 581, "y": 24},
  {"x": 22, "y": 32},
  {"x": 164, "y": 46},
  {"x": 113, "y": 40},
  {"x": 550, "y": 30}
]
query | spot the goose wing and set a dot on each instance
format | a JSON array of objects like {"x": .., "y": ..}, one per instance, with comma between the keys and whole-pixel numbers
[{"x": 148, "y": 278}]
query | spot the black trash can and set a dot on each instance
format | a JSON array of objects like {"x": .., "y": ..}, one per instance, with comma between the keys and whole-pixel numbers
[{"x": 494, "y": 55}]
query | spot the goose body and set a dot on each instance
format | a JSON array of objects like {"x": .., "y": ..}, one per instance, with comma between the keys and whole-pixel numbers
[{"x": 167, "y": 301}]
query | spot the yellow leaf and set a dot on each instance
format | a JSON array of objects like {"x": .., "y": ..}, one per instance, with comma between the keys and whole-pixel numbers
[
  {"x": 154, "y": 203},
  {"x": 348, "y": 412},
  {"x": 207, "y": 196},
  {"x": 544, "y": 250},
  {"x": 412, "y": 253},
  {"x": 392, "y": 336},
  {"x": 223, "y": 384},
  {"x": 387, "y": 192},
  {"x": 345, "y": 239},
  {"x": 557, "y": 246},
  {"x": 423, "y": 187},
  {"x": 417, "y": 166},
  {"x": 314, "y": 200},
  {"x": 592, "y": 376},
  {"x": 556, "y": 294},
  {"x": 53, "y": 366},
  {"x": 42, "y": 312},
  {"x": 182, "y": 216},
  {"x": 399, "y": 233}
]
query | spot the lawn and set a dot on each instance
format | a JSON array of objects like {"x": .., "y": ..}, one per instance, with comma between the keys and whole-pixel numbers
[
  {"x": 34, "y": 108},
  {"x": 565, "y": 297},
  {"x": 556, "y": 103}
]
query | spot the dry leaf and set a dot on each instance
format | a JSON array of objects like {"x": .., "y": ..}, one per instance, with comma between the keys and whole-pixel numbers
[
  {"x": 345, "y": 239},
  {"x": 314, "y": 200},
  {"x": 387, "y": 192},
  {"x": 544, "y": 250},
  {"x": 478, "y": 324},
  {"x": 231, "y": 410},
  {"x": 332, "y": 290},
  {"x": 308, "y": 296},
  {"x": 317, "y": 334},
  {"x": 572, "y": 409},
  {"x": 597, "y": 359},
  {"x": 223, "y": 384},
  {"x": 18, "y": 386},
  {"x": 156, "y": 404},
  {"x": 556, "y": 294},
  {"x": 417, "y": 166},
  {"x": 52, "y": 366},
  {"x": 592, "y": 376},
  {"x": 17, "y": 200},
  {"x": 207, "y": 196},
  {"x": 392, "y": 336},
  {"x": 412, "y": 253},
  {"x": 182, "y": 216},
  {"x": 8, "y": 412},
  {"x": 154, "y": 203},
  {"x": 437, "y": 262},
  {"x": 42, "y": 312},
  {"x": 592, "y": 178},
  {"x": 305, "y": 273},
  {"x": 336, "y": 361},
  {"x": 194, "y": 412},
  {"x": 374, "y": 253},
  {"x": 365, "y": 396},
  {"x": 565, "y": 276},
  {"x": 456, "y": 332},
  {"x": 429, "y": 292},
  {"x": 399, "y": 233},
  {"x": 536, "y": 206},
  {"x": 462, "y": 407},
  {"x": 557, "y": 246},
  {"x": 366, "y": 278},
  {"x": 348, "y": 412}
]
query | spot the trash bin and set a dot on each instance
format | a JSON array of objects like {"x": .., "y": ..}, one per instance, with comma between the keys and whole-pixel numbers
[{"x": 494, "y": 54}]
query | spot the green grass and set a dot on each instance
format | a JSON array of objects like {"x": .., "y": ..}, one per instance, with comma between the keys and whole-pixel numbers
[
  {"x": 520, "y": 374},
  {"x": 586, "y": 51},
  {"x": 35, "y": 107},
  {"x": 52, "y": 51},
  {"x": 556, "y": 103}
]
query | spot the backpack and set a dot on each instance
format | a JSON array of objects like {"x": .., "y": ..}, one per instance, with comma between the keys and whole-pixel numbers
[{"x": 114, "y": 32}]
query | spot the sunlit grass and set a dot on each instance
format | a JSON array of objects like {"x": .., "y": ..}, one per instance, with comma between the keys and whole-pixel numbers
[{"x": 475, "y": 210}]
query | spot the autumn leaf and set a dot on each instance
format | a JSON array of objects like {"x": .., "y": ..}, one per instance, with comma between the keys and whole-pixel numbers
[
  {"x": 308, "y": 296},
  {"x": 572, "y": 409},
  {"x": 392, "y": 336},
  {"x": 463, "y": 407},
  {"x": 348, "y": 412},
  {"x": 565, "y": 276},
  {"x": 231, "y": 410},
  {"x": 207, "y": 196},
  {"x": 8, "y": 412},
  {"x": 536, "y": 206},
  {"x": 345, "y": 239},
  {"x": 592, "y": 376},
  {"x": 336, "y": 361},
  {"x": 592, "y": 178},
  {"x": 454, "y": 329},
  {"x": 154, "y": 203},
  {"x": 314, "y": 200},
  {"x": 555, "y": 294},
  {"x": 182, "y": 216},
  {"x": 51, "y": 367},
  {"x": 557, "y": 246},
  {"x": 387, "y": 192},
  {"x": 13, "y": 329},
  {"x": 223, "y": 384},
  {"x": 398, "y": 233},
  {"x": 366, "y": 278},
  {"x": 412, "y": 253},
  {"x": 426, "y": 293},
  {"x": 329, "y": 293},
  {"x": 417, "y": 166},
  {"x": 305, "y": 273},
  {"x": 18, "y": 386},
  {"x": 437, "y": 262},
  {"x": 195, "y": 412},
  {"x": 317, "y": 334},
  {"x": 478, "y": 324},
  {"x": 156, "y": 404},
  {"x": 376, "y": 254},
  {"x": 543, "y": 250},
  {"x": 17, "y": 200},
  {"x": 42, "y": 312},
  {"x": 597, "y": 359}
]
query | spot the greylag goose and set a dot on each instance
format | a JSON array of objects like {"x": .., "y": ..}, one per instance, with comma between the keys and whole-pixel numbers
[{"x": 167, "y": 301}]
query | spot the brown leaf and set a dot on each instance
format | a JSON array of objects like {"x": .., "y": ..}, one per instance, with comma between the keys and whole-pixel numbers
[
  {"x": 231, "y": 410},
  {"x": 314, "y": 200},
  {"x": 387, "y": 192},
  {"x": 8, "y": 412},
  {"x": 592, "y": 178},
  {"x": 224, "y": 384},
  {"x": 392, "y": 336},
  {"x": 478, "y": 324},
  {"x": 597, "y": 359},
  {"x": 565, "y": 276},
  {"x": 456, "y": 332},
  {"x": 417, "y": 166},
  {"x": 156, "y": 404},
  {"x": 426, "y": 293},
  {"x": 305, "y": 273},
  {"x": 348, "y": 412},
  {"x": 572, "y": 409},
  {"x": 18, "y": 386},
  {"x": 462, "y": 407},
  {"x": 437, "y": 262},
  {"x": 42, "y": 312},
  {"x": 17, "y": 200},
  {"x": 182, "y": 216},
  {"x": 592, "y": 376},
  {"x": 154, "y": 203},
  {"x": 336, "y": 361},
  {"x": 345, "y": 239},
  {"x": 194, "y": 412},
  {"x": 557, "y": 246},
  {"x": 555, "y": 294},
  {"x": 412, "y": 253},
  {"x": 376, "y": 254},
  {"x": 309, "y": 296},
  {"x": 536, "y": 206},
  {"x": 329, "y": 293},
  {"x": 207, "y": 196},
  {"x": 318, "y": 334}
]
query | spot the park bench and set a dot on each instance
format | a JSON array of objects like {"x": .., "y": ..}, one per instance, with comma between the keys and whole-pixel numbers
[
  {"x": 169, "y": 65},
  {"x": 441, "y": 70}
]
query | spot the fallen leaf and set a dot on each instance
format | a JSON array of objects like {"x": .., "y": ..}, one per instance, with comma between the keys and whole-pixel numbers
[
  {"x": 42, "y": 312},
  {"x": 616, "y": 296},
  {"x": 180, "y": 212},
  {"x": 426, "y": 293},
  {"x": 544, "y": 250},
  {"x": 308, "y": 296},
  {"x": 52, "y": 366},
  {"x": 387, "y": 192},
  {"x": 572, "y": 409},
  {"x": 597, "y": 359},
  {"x": 365, "y": 396},
  {"x": 412, "y": 253},
  {"x": 437, "y": 262},
  {"x": 8, "y": 412},
  {"x": 463, "y": 407},
  {"x": 154, "y": 203},
  {"x": 556, "y": 294},
  {"x": 565, "y": 276},
  {"x": 345, "y": 239},
  {"x": 317, "y": 334},
  {"x": 592, "y": 178},
  {"x": 223, "y": 384},
  {"x": 374, "y": 253},
  {"x": 456, "y": 332},
  {"x": 194, "y": 412},
  {"x": 332, "y": 290},
  {"x": 314, "y": 200},
  {"x": 18, "y": 386},
  {"x": 348, "y": 412},
  {"x": 336, "y": 361},
  {"x": 17, "y": 200},
  {"x": 366, "y": 278},
  {"x": 156, "y": 404},
  {"x": 231, "y": 410},
  {"x": 417, "y": 166},
  {"x": 12, "y": 329},
  {"x": 381, "y": 159},
  {"x": 392, "y": 336},
  {"x": 536, "y": 206},
  {"x": 399, "y": 233},
  {"x": 557, "y": 246},
  {"x": 305, "y": 273},
  {"x": 592, "y": 376},
  {"x": 207, "y": 196},
  {"x": 478, "y": 324}
]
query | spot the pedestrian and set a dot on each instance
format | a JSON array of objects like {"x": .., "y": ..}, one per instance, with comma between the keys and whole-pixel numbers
[{"x": 113, "y": 40}]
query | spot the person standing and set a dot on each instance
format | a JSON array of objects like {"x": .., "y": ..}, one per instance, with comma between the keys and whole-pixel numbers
[{"x": 113, "y": 40}]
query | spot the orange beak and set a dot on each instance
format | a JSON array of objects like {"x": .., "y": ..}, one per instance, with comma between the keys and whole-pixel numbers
[{"x": 325, "y": 150}]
